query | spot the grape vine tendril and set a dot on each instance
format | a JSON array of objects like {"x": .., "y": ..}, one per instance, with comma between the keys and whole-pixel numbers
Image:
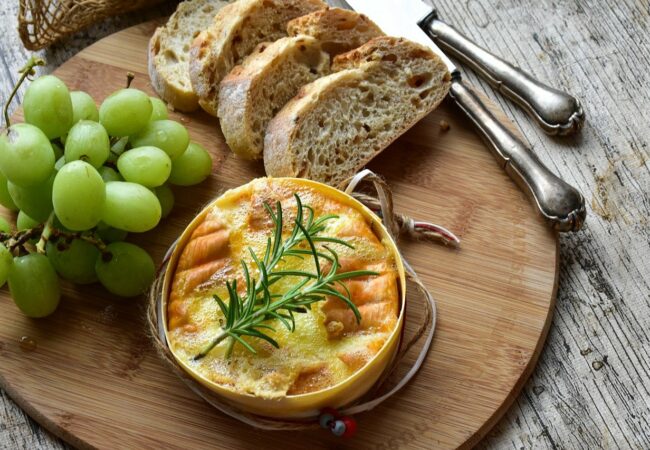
[{"x": 26, "y": 71}]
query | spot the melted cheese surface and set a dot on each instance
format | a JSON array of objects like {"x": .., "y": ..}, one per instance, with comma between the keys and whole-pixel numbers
[{"x": 328, "y": 345}]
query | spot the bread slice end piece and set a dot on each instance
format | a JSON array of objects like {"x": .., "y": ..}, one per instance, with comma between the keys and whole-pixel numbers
[{"x": 168, "y": 52}]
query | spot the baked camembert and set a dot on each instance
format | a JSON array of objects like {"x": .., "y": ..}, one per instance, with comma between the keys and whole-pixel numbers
[{"x": 328, "y": 345}]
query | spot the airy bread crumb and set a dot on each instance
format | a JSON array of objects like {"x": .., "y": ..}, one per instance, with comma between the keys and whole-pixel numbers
[
  {"x": 251, "y": 94},
  {"x": 338, "y": 123},
  {"x": 237, "y": 29}
]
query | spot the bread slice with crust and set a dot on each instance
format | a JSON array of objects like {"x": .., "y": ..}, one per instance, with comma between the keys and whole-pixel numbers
[
  {"x": 252, "y": 93},
  {"x": 338, "y": 30},
  {"x": 338, "y": 123},
  {"x": 236, "y": 30},
  {"x": 169, "y": 52}
]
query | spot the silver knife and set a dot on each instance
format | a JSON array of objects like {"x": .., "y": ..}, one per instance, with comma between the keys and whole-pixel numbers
[{"x": 560, "y": 204}]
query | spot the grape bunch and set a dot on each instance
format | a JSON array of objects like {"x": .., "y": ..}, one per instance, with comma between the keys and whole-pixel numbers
[{"x": 81, "y": 179}]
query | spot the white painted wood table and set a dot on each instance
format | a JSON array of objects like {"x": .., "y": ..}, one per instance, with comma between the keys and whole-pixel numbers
[{"x": 591, "y": 388}]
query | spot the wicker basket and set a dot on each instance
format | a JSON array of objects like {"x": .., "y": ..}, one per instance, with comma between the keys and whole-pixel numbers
[{"x": 43, "y": 22}]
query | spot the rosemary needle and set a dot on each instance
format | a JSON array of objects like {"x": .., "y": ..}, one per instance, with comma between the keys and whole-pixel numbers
[{"x": 249, "y": 314}]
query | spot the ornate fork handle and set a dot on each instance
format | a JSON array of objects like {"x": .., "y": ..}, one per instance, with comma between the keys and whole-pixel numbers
[
  {"x": 560, "y": 204},
  {"x": 557, "y": 112}
]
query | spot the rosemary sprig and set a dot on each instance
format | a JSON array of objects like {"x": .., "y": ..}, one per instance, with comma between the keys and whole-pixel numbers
[{"x": 249, "y": 313}]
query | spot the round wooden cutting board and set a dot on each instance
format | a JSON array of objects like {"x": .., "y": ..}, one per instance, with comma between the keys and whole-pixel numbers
[{"x": 95, "y": 381}]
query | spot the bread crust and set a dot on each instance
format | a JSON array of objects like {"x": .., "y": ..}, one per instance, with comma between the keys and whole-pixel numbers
[
  {"x": 339, "y": 30},
  {"x": 243, "y": 106},
  {"x": 279, "y": 159},
  {"x": 217, "y": 50},
  {"x": 356, "y": 67},
  {"x": 381, "y": 49},
  {"x": 168, "y": 87}
]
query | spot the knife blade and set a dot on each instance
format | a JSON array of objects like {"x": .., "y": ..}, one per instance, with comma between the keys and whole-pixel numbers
[
  {"x": 561, "y": 205},
  {"x": 412, "y": 11}
]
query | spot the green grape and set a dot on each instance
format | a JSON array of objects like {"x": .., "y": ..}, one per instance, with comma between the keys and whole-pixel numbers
[
  {"x": 129, "y": 272},
  {"x": 78, "y": 196},
  {"x": 34, "y": 285},
  {"x": 109, "y": 174},
  {"x": 87, "y": 141},
  {"x": 24, "y": 222},
  {"x": 26, "y": 155},
  {"x": 166, "y": 199},
  {"x": 130, "y": 207},
  {"x": 109, "y": 234},
  {"x": 83, "y": 107},
  {"x": 5, "y": 196},
  {"x": 170, "y": 136},
  {"x": 148, "y": 166},
  {"x": 56, "y": 223},
  {"x": 192, "y": 167},
  {"x": 36, "y": 201},
  {"x": 159, "y": 111},
  {"x": 5, "y": 227},
  {"x": 125, "y": 112},
  {"x": 6, "y": 260},
  {"x": 59, "y": 163},
  {"x": 74, "y": 261},
  {"x": 58, "y": 151},
  {"x": 47, "y": 105}
]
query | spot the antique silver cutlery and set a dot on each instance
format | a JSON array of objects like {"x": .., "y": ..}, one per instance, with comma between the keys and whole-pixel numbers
[
  {"x": 560, "y": 204},
  {"x": 556, "y": 112}
]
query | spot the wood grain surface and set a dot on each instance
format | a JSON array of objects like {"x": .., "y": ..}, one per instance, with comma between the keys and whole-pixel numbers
[
  {"x": 589, "y": 389},
  {"x": 95, "y": 380}
]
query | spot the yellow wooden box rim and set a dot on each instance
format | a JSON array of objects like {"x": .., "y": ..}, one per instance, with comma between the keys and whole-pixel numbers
[{"x": 340, "y": 394}]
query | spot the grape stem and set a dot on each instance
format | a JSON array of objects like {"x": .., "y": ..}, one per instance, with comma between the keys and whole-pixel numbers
[
  {"x": 26, "y": 71},
  {"x": 18, "y": 239},
  {"x": 91, "y": 238},
  {"x": 45, "y": 234},
  {"x": 97, "y": 242},
  {"x": 129, "y": 78}
]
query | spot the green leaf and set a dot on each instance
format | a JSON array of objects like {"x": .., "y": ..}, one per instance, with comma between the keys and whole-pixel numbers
[
  {"x": 243, "y": 342},
  {"x": 332, "y": 240},
  {"x": 353, "y": 274},
  {"x": 222, "y": 305},
  {"x": 335, "y": 293},
  {"x": 257, "y": 334}
]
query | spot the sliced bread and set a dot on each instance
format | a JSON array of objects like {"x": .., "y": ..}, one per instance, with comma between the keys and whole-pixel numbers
[
  {"x": 236, "y": 30},
  {"x": 338, "y": 123},
  {"x": 252, "y": 93},
  {"x": 339, "y": 30},
  {"x": 169, "y": 52}
]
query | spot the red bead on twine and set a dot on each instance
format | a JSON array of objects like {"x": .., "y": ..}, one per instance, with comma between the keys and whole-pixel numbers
[
  {"x": 343, "y": 426},
  {"x": 350, "y": 426}
]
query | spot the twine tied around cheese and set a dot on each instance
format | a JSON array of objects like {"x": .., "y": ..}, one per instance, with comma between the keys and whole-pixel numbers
[{"x": 397, "y": 225}]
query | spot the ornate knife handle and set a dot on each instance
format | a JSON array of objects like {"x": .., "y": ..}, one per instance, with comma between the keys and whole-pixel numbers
[
  {"x": 560, "y": 204},
  {"x": 557, "y": 112}
]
